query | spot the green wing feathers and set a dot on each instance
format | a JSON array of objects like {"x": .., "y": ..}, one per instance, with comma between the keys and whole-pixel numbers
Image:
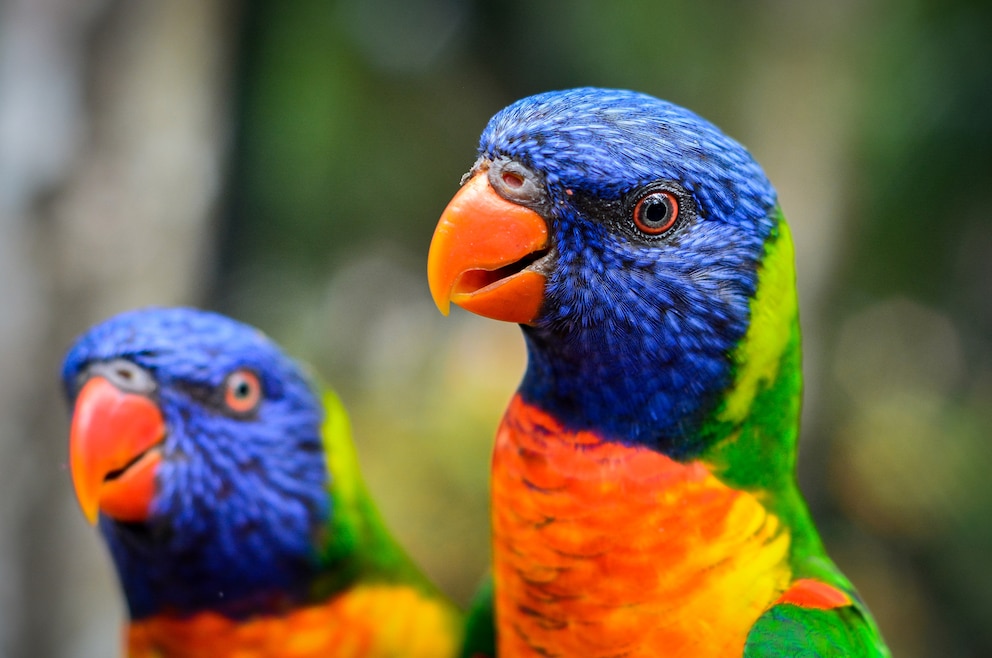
[{"x": 815, "y": 620}]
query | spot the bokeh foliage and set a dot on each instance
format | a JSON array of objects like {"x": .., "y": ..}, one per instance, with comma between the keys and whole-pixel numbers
[{"x": 325, "y": 137}]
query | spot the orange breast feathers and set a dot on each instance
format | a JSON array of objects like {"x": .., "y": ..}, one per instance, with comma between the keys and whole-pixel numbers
[
  {"x": 371, "y": 621},
  {"x": 606, "y": 550}
]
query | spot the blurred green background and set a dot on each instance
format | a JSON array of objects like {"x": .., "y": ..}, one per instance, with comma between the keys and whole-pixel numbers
[{"x": 285, "y": 163}]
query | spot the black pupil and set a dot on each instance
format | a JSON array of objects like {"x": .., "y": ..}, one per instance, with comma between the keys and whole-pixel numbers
[
  {"x": 655, "y": 211},
  {"x": 242, "y": 389}
]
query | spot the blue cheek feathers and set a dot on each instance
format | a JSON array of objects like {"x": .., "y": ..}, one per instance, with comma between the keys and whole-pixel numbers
[{"x": 234, "y": 522}]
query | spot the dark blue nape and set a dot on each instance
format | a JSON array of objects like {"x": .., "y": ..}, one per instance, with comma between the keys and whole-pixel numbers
[
  {"x": 240, "y": 501},
  {"x": 635, "y": 335}
]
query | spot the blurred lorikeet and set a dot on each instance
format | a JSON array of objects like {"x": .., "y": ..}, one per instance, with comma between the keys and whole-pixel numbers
[
  {"x": 644, "y": 498},
  {"x": 230, "y": 497}
]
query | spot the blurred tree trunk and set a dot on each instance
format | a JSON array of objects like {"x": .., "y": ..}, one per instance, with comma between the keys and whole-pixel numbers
[{"x": 113, "y": 132}]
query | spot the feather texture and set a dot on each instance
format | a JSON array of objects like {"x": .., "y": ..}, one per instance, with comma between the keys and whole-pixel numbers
[
  {"x": 259, "y": 538},
  {"x": 644, "y": 492}
]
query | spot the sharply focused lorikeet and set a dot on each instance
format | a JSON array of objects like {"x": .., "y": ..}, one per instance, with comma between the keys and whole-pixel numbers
[
  {"x": 229, "y": 495},
  {"x": 644, "y": 497}
]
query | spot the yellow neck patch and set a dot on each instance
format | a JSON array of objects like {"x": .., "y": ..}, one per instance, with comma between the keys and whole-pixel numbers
[
  {"x": 774, "y": 311},
  {"x": 339, "y": 450}
]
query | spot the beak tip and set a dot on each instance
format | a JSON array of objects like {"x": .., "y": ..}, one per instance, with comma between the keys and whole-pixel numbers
[
  {"x": 88, "y": 499},
  {"x": 91, "y": 514},
  {"x": 441, "y": 297}
]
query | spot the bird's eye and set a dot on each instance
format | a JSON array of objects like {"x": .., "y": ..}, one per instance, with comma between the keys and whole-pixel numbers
[
  {"x": 656, "y": 212},
  {"x": 242, "y": 392}
]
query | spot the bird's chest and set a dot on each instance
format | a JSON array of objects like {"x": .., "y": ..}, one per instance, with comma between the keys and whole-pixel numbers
[
  {"x": 373, "y": 621},
  {"x": 605, "y": 550}
]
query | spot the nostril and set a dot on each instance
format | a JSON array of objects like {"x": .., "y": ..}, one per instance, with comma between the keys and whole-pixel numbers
[
  {"x": 516, "y": 182},
  {"x": 125, "y": 375},
  {"x": 513, "y": 180}
]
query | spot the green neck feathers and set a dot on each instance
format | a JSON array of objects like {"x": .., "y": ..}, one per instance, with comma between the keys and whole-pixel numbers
[{"x": 753, "y": 434}]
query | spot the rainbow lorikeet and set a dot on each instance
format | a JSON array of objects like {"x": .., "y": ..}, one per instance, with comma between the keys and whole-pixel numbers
[
  {"x": 230, "y": 497},
  {"x": 644, "y": 496}
]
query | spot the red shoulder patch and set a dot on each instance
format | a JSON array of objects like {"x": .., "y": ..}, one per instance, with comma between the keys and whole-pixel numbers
[{"x": 809, "y": 593}]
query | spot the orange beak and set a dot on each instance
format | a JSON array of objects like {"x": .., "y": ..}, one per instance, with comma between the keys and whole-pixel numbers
[
  {"x": 479, "y": 255},
  {"x": 113, "y": 451}
]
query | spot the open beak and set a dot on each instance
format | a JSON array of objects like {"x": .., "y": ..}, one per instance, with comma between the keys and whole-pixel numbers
[
  {"x": 114, "y": 451},
  {"x": 485, "y": 255}
]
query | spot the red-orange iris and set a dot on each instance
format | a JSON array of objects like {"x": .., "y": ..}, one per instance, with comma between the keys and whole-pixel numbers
[
  {"x": 656, "y": 212},
  {"x": 243, "y": 391}
]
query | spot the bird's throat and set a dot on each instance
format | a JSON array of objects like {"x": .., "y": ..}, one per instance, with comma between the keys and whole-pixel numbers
[{"x": 603, "y": 550}]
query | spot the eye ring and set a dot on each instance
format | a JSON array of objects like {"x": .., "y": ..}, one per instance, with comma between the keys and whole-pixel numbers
[
  {"x": 656, "y": 212},
  {"x": 242, "y": 392}
]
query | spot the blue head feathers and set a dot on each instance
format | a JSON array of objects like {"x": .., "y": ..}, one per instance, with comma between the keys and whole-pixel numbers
[
  {"x": 635, "y": 332},
  {"x": 240, "y": 500}
]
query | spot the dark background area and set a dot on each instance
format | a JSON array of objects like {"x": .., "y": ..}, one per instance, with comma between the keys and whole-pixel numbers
[{"x": 285, "y": 163}]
